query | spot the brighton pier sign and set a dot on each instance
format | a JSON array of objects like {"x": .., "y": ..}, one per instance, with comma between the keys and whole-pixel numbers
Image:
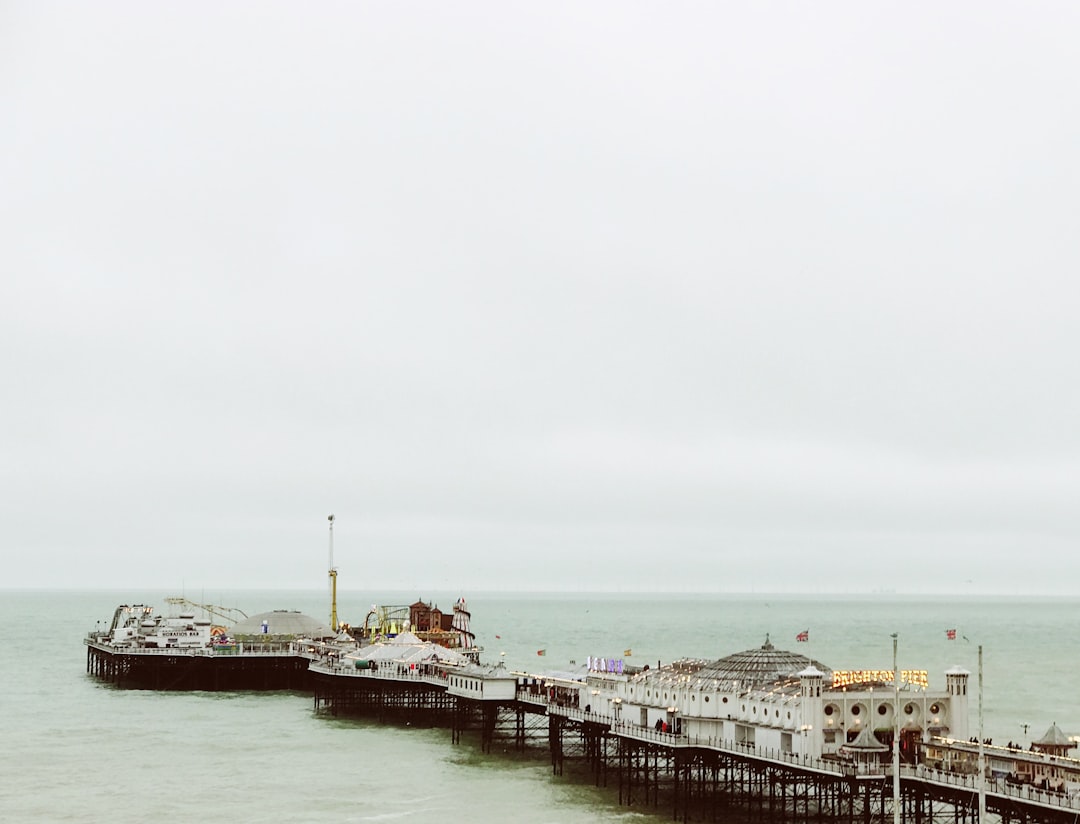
[{"x": 851, "y": 678}]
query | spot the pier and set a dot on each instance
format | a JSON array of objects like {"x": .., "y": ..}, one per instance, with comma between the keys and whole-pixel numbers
[
  {"x": 251, "y": 667},
  {"x": 697, "y": 778},
  {"x": 765, "y": 734},
  {"x": 182, "y": 652}
]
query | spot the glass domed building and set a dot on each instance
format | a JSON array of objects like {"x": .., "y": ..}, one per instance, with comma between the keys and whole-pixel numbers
[{"x": 280, "y": 625}]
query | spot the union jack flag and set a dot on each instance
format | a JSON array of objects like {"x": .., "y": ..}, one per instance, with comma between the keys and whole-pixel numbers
[
  {"x": 803, "y": 636},
  {"x": 950, "y": 634}
]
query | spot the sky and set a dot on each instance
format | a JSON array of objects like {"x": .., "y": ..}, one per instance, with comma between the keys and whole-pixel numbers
[{"x": 561, "y": 296}]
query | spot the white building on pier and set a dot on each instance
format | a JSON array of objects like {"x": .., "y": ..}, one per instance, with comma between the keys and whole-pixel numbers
[{"x": 774, "y": 700}]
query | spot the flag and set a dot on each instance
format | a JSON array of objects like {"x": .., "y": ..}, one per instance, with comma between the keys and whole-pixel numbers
[
  {"x": 627, "y": 653},
  {"x": 803, "y": 636},
  {"x": 950, "y": 634},
  {"x": 541, "y": 652},
  {"x": 498, "y": 636}
]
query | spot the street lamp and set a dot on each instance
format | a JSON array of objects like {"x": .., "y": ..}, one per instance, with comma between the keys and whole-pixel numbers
[
  {"x": 982, "y": 753},
  {"x": 896, "y": 735}
]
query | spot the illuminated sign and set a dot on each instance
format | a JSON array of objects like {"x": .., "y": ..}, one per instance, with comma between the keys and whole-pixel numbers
[{"x": 849, "y": 678}]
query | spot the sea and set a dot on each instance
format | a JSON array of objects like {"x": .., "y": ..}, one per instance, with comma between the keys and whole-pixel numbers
[{"x": 73, "y": 749}]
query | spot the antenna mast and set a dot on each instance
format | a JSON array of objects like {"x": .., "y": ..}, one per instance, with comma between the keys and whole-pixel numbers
[{"x": 333, "y": 579}]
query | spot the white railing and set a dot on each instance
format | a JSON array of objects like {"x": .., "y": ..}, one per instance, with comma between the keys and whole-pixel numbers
[
  {"x": 580, "y": 714},
  {"x": 999, "y": 787},
  {"x": 640, "y": 733},
  {"x": 238, "y": 650}
]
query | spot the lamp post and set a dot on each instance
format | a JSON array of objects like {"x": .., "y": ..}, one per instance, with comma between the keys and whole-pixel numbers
[
  {"x": 896, "y": 736},
  {"x": 982, "y": 753}
]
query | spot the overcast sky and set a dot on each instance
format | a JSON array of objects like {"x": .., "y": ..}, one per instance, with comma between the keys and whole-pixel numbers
[{"x": 772, "y": 297}]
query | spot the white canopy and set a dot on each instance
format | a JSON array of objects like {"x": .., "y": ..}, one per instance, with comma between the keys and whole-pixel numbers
[{"x": 403, "y": 650}]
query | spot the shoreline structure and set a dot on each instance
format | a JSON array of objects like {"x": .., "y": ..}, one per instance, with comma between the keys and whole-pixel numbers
[{"x": 766, "y": 730}]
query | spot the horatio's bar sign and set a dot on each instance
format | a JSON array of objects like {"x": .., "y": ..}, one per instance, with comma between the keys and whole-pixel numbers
[{"x": 848, "y": 678}]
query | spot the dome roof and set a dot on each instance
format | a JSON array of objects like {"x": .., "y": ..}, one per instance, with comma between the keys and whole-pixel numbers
[
  {"x": 760, "y": 668},
  {"x": 282, "y": 622}
]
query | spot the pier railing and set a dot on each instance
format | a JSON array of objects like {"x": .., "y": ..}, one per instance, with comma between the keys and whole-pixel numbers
[
  {"x": 997, "y": 787},
  {"x": 348, "y": 669},
  {"x": 244, "y": 649}
]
